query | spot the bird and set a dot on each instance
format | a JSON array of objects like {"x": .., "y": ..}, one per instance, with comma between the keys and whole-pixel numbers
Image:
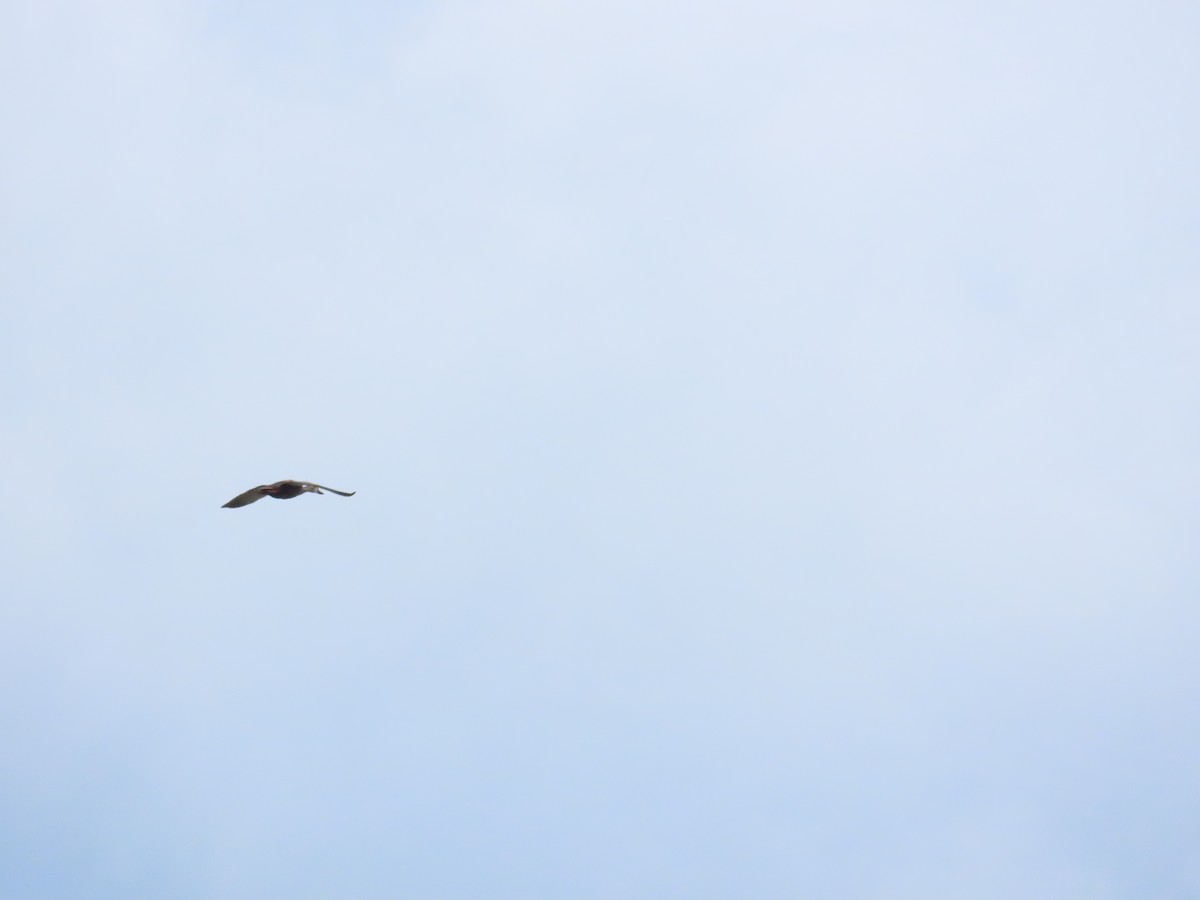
[{"x": 281, "y": 490}]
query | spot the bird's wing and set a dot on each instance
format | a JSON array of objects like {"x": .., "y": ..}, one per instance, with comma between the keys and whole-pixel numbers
[
  {"x": 332, "y": 491},
  {"x": 255, "y": 493}
]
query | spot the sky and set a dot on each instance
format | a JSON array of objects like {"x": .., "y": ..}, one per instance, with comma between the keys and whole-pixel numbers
[{"x": 773, "y": 426}]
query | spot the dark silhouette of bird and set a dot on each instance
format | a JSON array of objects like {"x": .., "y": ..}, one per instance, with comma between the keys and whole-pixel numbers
[{"x": 281, "y": 490}]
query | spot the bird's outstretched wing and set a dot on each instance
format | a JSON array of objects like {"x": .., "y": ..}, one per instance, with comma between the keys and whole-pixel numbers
[
  {"x": 335, "y": 491},
  {"x": 255, "y": 493}
]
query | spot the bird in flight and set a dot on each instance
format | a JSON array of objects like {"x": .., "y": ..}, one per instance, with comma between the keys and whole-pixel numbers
[{"x": 281, "y": 490}]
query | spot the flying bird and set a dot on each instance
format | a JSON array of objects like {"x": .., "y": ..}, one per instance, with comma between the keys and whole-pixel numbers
[{"x": 281, "y": 490}]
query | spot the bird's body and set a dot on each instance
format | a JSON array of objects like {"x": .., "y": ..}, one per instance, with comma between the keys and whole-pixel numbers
[{"x": 281, "y": 490}]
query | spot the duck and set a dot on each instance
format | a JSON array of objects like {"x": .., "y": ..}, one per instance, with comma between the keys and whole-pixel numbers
[{"x": 282, "y": 490}]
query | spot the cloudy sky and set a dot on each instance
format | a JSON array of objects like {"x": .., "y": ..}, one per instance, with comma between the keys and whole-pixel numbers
[{"x": 774, "y": 427}]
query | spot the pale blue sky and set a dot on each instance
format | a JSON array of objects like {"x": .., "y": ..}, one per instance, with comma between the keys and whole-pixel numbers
[{"x": 774, "y": 428}]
